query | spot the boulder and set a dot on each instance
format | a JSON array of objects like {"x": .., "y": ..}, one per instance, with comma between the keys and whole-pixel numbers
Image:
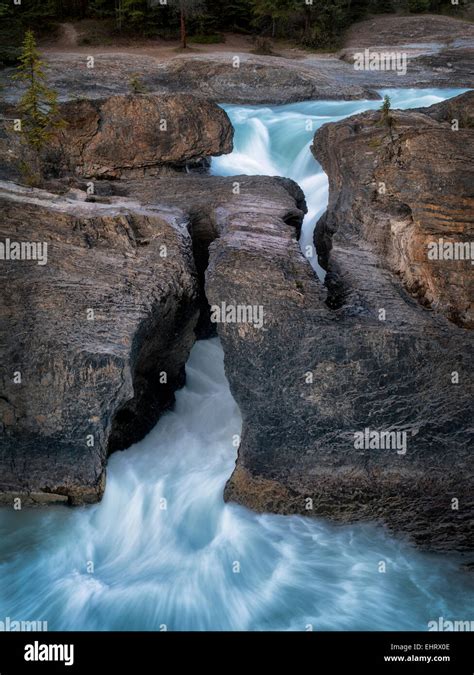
[{"x": 132, "y": 135}]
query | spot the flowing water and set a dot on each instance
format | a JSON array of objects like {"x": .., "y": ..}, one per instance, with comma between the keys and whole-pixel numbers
[
  {"x": 163, "y": 550},
  {"x": 275, "y": 141}
]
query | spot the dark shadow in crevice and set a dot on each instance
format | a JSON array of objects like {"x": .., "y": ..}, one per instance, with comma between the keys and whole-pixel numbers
[
  {"x": 160, "y": 350},
  {"x": 336, "y": 290},
  {"x": 203, "y": 231}
]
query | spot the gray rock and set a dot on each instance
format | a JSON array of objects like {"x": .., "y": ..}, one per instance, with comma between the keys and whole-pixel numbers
[
  {"x": 103, "y": 377},
  {"x": 90, "y": 334},
  {"x": 323, "y": 370},
  {"x": 257, "y": 79},
  {"x": 132, "y": 135}
]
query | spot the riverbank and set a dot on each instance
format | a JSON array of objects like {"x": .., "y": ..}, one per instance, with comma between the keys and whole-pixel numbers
[{"x": 438, "y": 52}]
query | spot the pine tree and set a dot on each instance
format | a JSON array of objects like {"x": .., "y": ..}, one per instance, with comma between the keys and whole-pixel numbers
[
  {"x": 386, "y": 105},
  {"x": 186, "y": 8},
  {"x": 38, "y": 106},
  {"x": 275, "y": 10},
  {"x": 386, "y": 117}
]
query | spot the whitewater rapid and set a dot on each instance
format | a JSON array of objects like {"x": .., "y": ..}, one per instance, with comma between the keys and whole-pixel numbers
[
  {"x": 164, "y": 552},
  {"x": 276, "y": 141}
]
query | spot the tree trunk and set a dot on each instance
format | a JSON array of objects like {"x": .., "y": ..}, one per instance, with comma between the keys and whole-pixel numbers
[
  {"x": 118, "y": 13},
  {"x": 307, "y": 20},
  {"x": 183, "y": 30},
  {"x": 273, "y": 28}
]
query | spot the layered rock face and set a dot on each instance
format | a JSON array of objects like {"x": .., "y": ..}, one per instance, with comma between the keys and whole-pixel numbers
[
  {"x": 93, "y": 341},
  {"x": 356, "y": 408},
  {"x": 403, "y": 187},
  {"x": 126, "y": 136}
]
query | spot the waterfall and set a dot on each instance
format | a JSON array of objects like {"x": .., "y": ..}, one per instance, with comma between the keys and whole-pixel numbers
[{"x": 163, "y": 550}]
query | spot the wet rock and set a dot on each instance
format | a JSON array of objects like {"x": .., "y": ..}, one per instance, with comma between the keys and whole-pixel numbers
[
  {"x": 356, "y": 404},
  {"x": 93, "y": 342}
]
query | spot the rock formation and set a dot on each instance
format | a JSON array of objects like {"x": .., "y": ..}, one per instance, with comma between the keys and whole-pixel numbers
[
  {"x": 131, "y": 135},
  {"x": 402, "y": 185},
  {"x": 94, "y": 342},
  {"x": 355, "y": 397},
  {"x": 218, "y": 78},
  {"x": 356, "y": 408}
]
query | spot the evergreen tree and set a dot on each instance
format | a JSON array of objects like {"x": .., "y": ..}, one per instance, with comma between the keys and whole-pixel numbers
[
  {"x": 38, "y": 106},
  {"x": 133, "y": 14},
  {"x": 276, "y": 11},
  {"x": 386, "y": 114},
  {"x": 10, "y": 34},
  {"x": 186, "y": 9},
  {"x": 386, "y": 105},
  {"x": 101, "y": 8}
]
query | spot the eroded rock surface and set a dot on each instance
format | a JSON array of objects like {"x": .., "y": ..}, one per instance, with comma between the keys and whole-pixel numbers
[
  {"x": 128, "y": 259},
  {"x": 400, "y": 187},
  {"x": 319, "y": 379},
  {"x": 439, "y": 50},
  {"x": 86, "y": 338},
  {"x": 134, "y": 135},
  {"x": 215, "y": 77}
]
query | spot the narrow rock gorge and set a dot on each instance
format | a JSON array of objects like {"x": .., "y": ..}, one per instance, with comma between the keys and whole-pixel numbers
[
  {"x": 370, "y": 356},
  {"x": 236, "y": 320},
  {"x": 101, "y": 335},
  {"x": 94, "y": 341}
]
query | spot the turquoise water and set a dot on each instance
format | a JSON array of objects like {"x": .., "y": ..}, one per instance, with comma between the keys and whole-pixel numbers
[
  {"x": 163, "y": 551},
  {"x": 276, "y": 140}
]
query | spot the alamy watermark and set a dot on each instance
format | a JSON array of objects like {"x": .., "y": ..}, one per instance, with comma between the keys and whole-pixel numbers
[
  {"x": 451, "y": 250},
  {"x": 367, "y": 60},
  {"x": 9, "y": 625},
  {"x": 227, "y": 313},
  {"x": 447, "y": 625},
  {"x": 381, "y": 440},
  {"x": 50, "y": 652},
  {"x": 24, "y": 250}
]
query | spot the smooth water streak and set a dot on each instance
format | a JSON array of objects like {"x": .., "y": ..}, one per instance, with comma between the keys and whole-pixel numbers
[{"x": 163, "y": 549}]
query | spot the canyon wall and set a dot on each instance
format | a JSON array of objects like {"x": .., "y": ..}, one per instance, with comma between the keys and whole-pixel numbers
[
  {"x": 356, "y": 405},
  {"x": 355, "y": 395}
]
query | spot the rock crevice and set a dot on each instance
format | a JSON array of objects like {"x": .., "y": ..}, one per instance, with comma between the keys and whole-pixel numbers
[{"x": 357, "y": 407}]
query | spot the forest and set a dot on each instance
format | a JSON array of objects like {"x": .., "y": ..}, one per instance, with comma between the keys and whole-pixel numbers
[{"x": 314, "y": 24}]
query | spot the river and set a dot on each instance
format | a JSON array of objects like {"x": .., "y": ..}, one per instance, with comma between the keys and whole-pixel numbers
[{"x": 162, "y": 551}]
